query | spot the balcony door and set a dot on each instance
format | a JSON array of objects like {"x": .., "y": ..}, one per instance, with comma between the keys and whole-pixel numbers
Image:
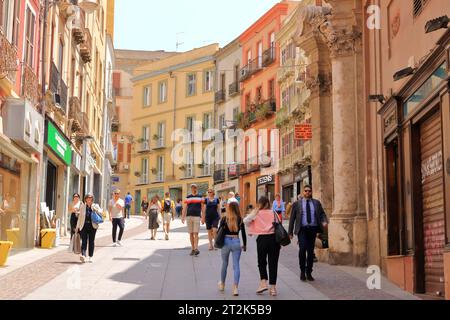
[{"x": 144, "y": 167}]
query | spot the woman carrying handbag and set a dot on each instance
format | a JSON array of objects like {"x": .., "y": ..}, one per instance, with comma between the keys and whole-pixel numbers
[
  {"x": 261, "y": 223},
  {"x": 88, "y": 221},
  {"x": 228, "y": 240}
]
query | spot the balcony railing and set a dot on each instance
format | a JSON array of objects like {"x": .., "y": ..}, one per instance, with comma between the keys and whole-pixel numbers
[
  {"x": 220, "y": 96},
  {"x": 142, "y": 180},
  {"x": 63, "y": 95},
  {"x": 144, "y": 146},
  {"x": 219, "y": 176},
  {"x": 160, "y": 143},
  {"x": 206, "y": 170},
  {"x": 242, "y": 169},
  {"x": 234, "y": 89},
  {"x": 252, "y": 165},
  {"x": 250, "y": 69},
  {"x": 159, "y": 177},
  {"x": 30, "y": 86},
  {"x": 86, "y": 45},
  {"x": 58, "y": 86},
  {"x": 8, "y": 59},
  {"x": 268, "y": 57}
]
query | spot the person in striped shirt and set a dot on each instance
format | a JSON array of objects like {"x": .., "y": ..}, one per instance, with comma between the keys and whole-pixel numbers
[{"x": 193, "y": 214}]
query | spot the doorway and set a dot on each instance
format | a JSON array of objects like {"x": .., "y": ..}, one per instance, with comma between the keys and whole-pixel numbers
[{"x": 51, "y": 187}]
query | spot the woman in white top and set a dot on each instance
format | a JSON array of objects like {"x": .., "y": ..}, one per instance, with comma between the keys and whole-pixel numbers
[
  {"x": 154, "y": 210},
  {"x": 74, "y": 208},
  {"x": 117, "y": 217}
]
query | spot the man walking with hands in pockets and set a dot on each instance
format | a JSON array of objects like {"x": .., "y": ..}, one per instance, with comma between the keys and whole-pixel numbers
[
  {"x": 307, "y": 220},
  {"x": 116, "y": 206}
]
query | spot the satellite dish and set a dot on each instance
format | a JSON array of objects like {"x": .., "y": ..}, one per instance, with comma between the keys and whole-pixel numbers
[{"x": 88, "y": 6}]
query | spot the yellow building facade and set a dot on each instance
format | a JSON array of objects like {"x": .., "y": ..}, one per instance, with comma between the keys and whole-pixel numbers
[{"x": 173, "y": 95}]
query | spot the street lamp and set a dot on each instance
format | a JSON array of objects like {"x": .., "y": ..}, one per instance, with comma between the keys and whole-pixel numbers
[
  {"x": 404, "y": 73},
  {"x": 377, "y": 98},
  {"x": 436, "y": 24}
]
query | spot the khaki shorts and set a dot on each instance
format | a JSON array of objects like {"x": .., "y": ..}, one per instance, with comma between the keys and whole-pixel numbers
[
  {"x": 167, "y": 217},
  {"x": 193, "y": 224}
]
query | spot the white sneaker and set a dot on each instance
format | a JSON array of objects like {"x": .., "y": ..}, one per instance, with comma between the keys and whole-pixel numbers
[
  {"x": 119, "y": 243},
  {"x": 91, "y": 260},
  {"x": 82, "y": 259},
  {"x": 114, "y": 244}
]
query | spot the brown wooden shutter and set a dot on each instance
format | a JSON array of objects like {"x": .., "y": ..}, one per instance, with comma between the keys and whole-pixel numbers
[
  {"x": 129, "y": 153},
  {"x": 120, "y": 152},
  {"x": 116, "y": 80}
]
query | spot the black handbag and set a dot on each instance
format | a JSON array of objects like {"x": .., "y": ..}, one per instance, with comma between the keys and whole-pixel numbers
[
  {"x": 281, "y": 235},
  {"x": 219, "y": 241}
]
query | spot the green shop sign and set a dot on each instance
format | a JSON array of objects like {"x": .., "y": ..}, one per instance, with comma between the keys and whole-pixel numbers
[{"x": 58, "y": 143}]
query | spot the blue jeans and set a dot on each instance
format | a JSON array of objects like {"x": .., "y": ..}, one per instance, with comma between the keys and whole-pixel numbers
[
  {"x": 127, "y": 210},
  {"x": 233, "y": 246}
]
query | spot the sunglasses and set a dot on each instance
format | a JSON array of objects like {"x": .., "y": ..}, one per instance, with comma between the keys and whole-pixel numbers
[{"x": 309, "y": 191}]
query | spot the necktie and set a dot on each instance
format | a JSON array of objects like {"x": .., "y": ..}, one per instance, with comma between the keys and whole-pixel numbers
[{"x": 308, "y": 212}]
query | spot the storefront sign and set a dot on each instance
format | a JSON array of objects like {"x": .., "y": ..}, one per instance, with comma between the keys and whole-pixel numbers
[
  {"x": 303, "y": 131},
  {"x": 265, "y": 180},
  {"x": 232, "y": 169},
  {"x": 58, "y": 143}
]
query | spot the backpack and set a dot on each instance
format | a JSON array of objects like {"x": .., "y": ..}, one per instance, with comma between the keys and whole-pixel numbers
[{"x": 167, "y": 205}]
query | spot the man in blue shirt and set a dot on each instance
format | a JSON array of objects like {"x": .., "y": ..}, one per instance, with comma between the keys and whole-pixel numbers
[
  {"x": 128, "y": 202},
  {"x": 307, "y": 220}
]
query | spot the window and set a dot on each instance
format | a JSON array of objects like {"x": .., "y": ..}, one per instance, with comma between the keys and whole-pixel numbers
[
  {"x": 120, "y": 152},
  {"x": 258, "y": 97},
  {"x": 4, "y": 14},
  {"x": 160, "y": 169},
  {"x": 236, "y": 73},
  {"x": 260, "y": 54},
  {"x": 209, "y": 80},
  {"x": 129, "y": 153},
  {"x": 190, "y": 124},
  {"x": 61, "y": 57},
  {"x": 222, "y": 123},
  {"x": 145, "y": 138},
  {"x": 207, "y": 121},
  {"x": 235, "y": 113},
  {"x": 272, "y": 40},
  {"x": 161, "y": 134},
  {"x": 247, "y": 102},
  {"x": 29, "y": 37},
  {"x": 162, "y": 92},
  {"x": 418, "y": 7},
  {"x": 147, "y": 96},
  {"x": 271, "y": 89},
  {"x": 144, "y": 170},
  {"x": 222, "y": 81},
  {"x": 191, "y": 84},
  {"x": 16, "y": 23},
  {"x": 249, "y": 56},
  {"x": 189, "y": 161},
  {"x": 72, "y": 76}
]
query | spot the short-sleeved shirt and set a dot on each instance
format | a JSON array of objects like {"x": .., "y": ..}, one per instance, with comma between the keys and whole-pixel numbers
[
  {"x": 194, "y": 205},
  {"x": 172, "y": 204},
  {"x": 128, "y": 200},
  {"x": 211, "y": 206},
  {"x": 115, "y": 212}
]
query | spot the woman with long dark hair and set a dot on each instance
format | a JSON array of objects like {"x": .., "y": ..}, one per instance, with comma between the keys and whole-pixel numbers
[
  {"x": 232, "y": 224},
  {"x": 260, "y": 223}
]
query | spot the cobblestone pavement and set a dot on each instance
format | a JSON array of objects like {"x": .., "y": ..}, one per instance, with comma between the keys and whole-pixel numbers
[
  {"x": 24, "y": 280},
  {"x": 144, "y": 269}
]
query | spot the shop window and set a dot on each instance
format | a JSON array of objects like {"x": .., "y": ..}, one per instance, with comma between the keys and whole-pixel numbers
[{"x": 392, "y": 193}]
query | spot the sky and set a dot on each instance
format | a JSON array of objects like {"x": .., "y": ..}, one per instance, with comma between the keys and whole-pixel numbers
[{"x": 160, "y": 24}]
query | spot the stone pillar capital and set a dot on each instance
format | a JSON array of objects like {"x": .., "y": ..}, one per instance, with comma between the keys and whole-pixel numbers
[
  {"x": 341, "y": 41},
  {"x": 319, "y": 84}
]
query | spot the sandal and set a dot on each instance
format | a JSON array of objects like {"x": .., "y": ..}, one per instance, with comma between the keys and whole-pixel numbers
[
  {"x": 261, "y": 290},
  {"x": 273, "y": 292}
]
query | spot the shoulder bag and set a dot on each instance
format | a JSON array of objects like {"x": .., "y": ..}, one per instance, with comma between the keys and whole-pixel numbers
[
  {"x": 219, "y": 242},
  {"x": 281, "y": 235}
]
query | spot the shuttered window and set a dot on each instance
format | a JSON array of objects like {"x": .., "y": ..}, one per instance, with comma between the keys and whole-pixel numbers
[
  {"x": 129, "y": 153},
  {"x": 418, "y": 6},
  {"x": 120, "y": 152}
]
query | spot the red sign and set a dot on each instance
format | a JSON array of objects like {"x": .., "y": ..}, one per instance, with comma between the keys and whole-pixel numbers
[
  {"x": 232, "y": 169},
  {"x": 303, "y": 131}
]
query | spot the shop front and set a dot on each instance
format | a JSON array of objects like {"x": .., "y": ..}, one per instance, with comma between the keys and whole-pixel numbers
[
  {"x": 223, "y": 189},
  {"x": 287, "y": 187},
  {"x": 56, "y": 179},
  {"x": 20, "y": 150},
  {"x": 266, "y": 187},
  {"x": 302, "y": 177},
  {"x": 416, "y": 135}
]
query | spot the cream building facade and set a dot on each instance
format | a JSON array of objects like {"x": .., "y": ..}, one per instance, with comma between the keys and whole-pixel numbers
[{"x": 175, "y": 93}]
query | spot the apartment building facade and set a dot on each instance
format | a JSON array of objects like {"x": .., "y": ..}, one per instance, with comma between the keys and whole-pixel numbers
[{"x": 173, "y": 108}]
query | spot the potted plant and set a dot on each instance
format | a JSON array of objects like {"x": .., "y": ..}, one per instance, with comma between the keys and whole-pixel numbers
[
  {"x": 137, "y": 174},
  {"x": 182, "y": 167},
  {"x": 154, "y": 171},
  {"x": 263, "y": 111},
  {"x": 201, "y": 165},
  {"x": 155, "y": 137}
]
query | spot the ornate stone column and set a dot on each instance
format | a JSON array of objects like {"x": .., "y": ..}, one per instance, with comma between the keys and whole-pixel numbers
[
  {"x": 319, "y": 82},
  {"x": 348, "y": 224}
]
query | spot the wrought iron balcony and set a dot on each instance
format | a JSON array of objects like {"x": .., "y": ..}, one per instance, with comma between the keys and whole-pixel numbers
[
  {"x": 233, "y": 171},
  {"x": 220, "y": 96},
  {"x": 58, "y": 86},
  {"x": 219, "y": 176},
  {"x": 234, "y": 89},
  {"x": 250, "y": 69},
  {"x": 30, "y": 88},
  {"x": 268, "y": 57},
  {"x": 8, "y": 59}
]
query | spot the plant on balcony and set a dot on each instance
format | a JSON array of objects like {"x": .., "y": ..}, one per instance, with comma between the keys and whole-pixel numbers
[
  {"x": 154, "y": 171},
  {"x": 201, "y": 165},
  {"x": 263, "y": 111},
  {"x": 137, "y": 174},
  {"x": 182, "y": 167},
  {"x": 140, "y": 140},
  {"x": 155, "y": 137},
  {"x": 243, "y": 121}
]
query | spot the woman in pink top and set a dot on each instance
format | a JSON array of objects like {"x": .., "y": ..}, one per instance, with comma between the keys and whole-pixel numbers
[{"x": 260, "y": 223}]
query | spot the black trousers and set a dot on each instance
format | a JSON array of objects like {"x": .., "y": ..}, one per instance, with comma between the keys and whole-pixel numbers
[
  {"x": 268, "y": 251},
  {"x": 88, "y": 237},
  {"x": 117, "y": 222},
  {"x": 73, "y": 224},
  {"x": 307, "y": 243}
]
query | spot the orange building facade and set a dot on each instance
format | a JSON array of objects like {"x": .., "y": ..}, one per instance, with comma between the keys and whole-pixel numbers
[{"x": 260, "y": 100}]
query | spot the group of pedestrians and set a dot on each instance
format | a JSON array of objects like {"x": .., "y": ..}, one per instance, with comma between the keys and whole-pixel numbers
[{"x": 306, "y": 219}]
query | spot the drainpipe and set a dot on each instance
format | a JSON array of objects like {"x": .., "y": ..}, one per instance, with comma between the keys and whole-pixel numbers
[{"x": 174, "y": 116}]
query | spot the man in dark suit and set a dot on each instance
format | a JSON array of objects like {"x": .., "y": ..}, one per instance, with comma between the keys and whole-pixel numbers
[{"x": 307, "y": 220}]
